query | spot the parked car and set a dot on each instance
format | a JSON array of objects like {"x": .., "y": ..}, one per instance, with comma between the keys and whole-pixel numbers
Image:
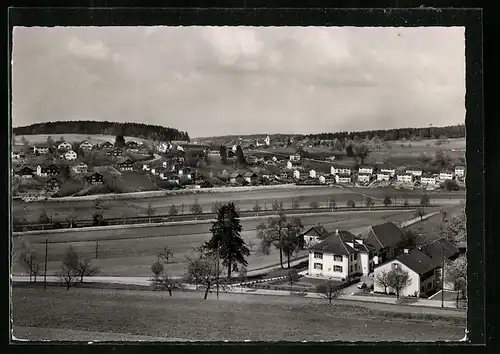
[{"x": 361, "y": 285}]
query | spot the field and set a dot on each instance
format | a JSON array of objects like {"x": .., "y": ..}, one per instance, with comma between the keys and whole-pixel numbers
[
  {"x": 83, "y": 209},
  {"x": 130, "y": 252},
  {"x": 70, "y": 138},
  {"x": 184, "y": 316}
]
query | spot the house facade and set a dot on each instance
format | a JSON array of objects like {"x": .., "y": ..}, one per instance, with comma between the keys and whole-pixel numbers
[
  {"x": 312, "y": 174},
  {"x": 445, "y": 175},
  {"x": 251, "y": 177},
  {"x": 236, "y": 177},
  {"x": 296, "y": 174},
  {"x": 383, "y": 176},
  {"x": 364, "y": 177},
  {"x": 414, "y": 171},
  {"x": 322, "y": 179},
  {"x": 294, "y": 157},
  {"x": 343, "y": 178},
  {"x": 44, "y": 171},
  {"x": 388, "y": 170},
  {"x": 81, "y": 168},
  {"x": 387, "y": 240},
  {"x": 365, "y": 170},
  {"x": 313, "y": 235},
  {"x": 460, "y": 171},
  {"x": 24, "y": 172},
  {"x": 95, "y": 179},
  {"x": 337, "y": 170},
  {"x": 70, "y": 155},
  {"x": 115, "y": 152},
  {"x": 125, "y": 165},
  {"x": 428, "y": 180},
  {"x": 64, "y": 146},
  {"x": 405, "y": 178},
  {"x": 106, "y": 145},
  {"x": 41, "y": 150},
  {"x": 86, "y": 145},
  {"x": 53, "y": 184}
]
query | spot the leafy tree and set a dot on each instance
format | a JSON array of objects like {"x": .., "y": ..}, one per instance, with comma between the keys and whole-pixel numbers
[
  {"x": 406, "y": 203},
  {"x": 250, "y": 245},
  {"x": 240, "y": 157},
  {"x": 295, "y": 203},
  {"x": 223, "y": 153},
  {"x": 50, "y": 142},
  {"x": 196, "y": 209},
  {"x": 425, "y": 201},
  {"x": 361, "y": 151},
  {"x": 455, "y": 273},
  {"x": 423, "y": 158},
  {"x": 382, "y": 279},
  {"x": 410, "y": 239},
  {"x": 272, "y": 234},
  {"x": 420, "y": 213},
  {"x": 165, "y": 254},
  {"x": 329, "y": 290},
  {"x": 332, "y": 204},
  {"x": 157, "y": 269},
  {"x": 119, "y": 141},
  {"x": 451, "y": 185},
  {"x": 349, "y": 151},
  {"x": 164, "y": 281},
  {"x": 204, "y": 270},
  {"x": 455, "y": 228},
  {"x": 277, "y": 205},
  {"x": 226, "y": 238},
  {"x": 43, "y": 218},
  {"x": 292, "y": 277},
  {"x": 441, "y": 159},
  {"x": 173, "y": 210},
  {"x": 369, "y": 202},
  {"x": 216, "y": 207},
  {"x": 291, "y": 242},
  {"x": 387, "y": 201},
  {"x": 398, "y": 279},
  {"x": 256, "y": 207},
  {"x": 350, "y": 203},
  {"x": 444, "y": 215},
  {"x": 150, "y": 211},
  {"x": 314, "y": 205}
]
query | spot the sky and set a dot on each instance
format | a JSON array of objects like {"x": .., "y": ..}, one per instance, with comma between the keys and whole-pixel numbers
[{"x": 212, "y": 81}]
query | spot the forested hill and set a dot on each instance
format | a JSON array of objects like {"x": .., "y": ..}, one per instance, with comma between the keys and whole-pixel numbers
[
  {"x": 138, "y": 130},
  {"x": 451, "y": 132}
]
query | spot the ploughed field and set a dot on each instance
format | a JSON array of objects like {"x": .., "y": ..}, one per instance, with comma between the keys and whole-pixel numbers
[
  {"x": 111, "y": 314},
  {"x": 131, "y": 251},
  {"x": 246, "y": 200}
]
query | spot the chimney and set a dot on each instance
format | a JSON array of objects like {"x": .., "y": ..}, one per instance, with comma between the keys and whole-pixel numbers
[{"x": 406, "y": 250}]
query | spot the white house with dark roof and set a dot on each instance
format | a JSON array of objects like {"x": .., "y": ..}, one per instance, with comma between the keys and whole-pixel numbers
[
  {"x": 388, "y": 170},
  {"x": 387, "y": 238},
  {"x": 363, "y": 177},
  {"x": 70, "y": 155},
  {"x": 444, "y": 175},
  {"x": 86, "y": 145},
  {"x": 312, "y": 174},
  {"x": 294, "y": 157},
  {"x": 340, "y": 255},
  {"x": 339, "y": 170},
  {"x": 405, "y": 178},
  {"x": 81, "y": 168},
  {"x": 383, "y": 176},
  {"x": 365, "y": 170},
  {"x": 64, "y": 146},
  {"x": 343, "y": 178},
  {"x": 460, "y": 171},
  {"x": 296, "y": 174},
  {"x": 417, "y": 172},
  {"x": 428, "y": 180},
  {"x": 322, "y": 179}
]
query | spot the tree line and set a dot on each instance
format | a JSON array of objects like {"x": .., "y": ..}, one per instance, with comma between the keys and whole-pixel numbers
[
  {"x": 138, "y": 130},
  {"x": 451, "y": 132}
]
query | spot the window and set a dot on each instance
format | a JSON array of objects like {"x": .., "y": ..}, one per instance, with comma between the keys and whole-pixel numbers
[
  {"x": 337, "y": 269},
  {"x": 318, "y": 255},
  {"x": 337, "y": 258},
  {"x": 355, "y": 256},
  {"x": 352, "y": 270},
  {"x": 318, "y": 266},
  {"x": 356, "y": 266},
  {"x": 429, "y": 285}
]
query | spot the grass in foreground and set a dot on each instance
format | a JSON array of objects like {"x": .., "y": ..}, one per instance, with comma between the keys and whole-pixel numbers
[{"x": 158, "y": 315}]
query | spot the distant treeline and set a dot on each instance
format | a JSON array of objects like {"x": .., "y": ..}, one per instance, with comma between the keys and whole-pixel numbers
[
  {"x": 450, "y": 132},
  {"x": 137, "y": 130}
]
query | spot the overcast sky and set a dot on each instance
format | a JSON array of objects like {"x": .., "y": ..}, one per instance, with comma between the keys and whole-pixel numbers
[{"x": 241, "y": 80}]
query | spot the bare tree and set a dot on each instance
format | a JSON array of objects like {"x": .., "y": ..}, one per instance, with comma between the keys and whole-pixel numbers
[
  {"x": 277, "y": 205},
  {"x": 332, "y": 204},
  {"x": 242, "y": 275},
  {"x": 250, "y": 245},
  {"x": 387, "y": 201},
  {"x": 420, "y": 213},
  {"x": 27, "y": 259},
  {"x": 164, "y": 281},
  {"x": 67, "y": 277},
  {"x": 361, "y": 151},
  {"x": 166, "y": 254},
  {"x": 204, "y": 271},
  {"x": 369, "y": 202},
  {"x": 329, "y": 290},
  {"x": 292, "y": 277},
  {"x": 150, "y": 211},
  {"x": 85, "y": 268},
  {"x": 216, "y": 207},
  {"x": 350, "y": 203},
  {"x": 71, "y": 220},
  {"x": 256, "y": 207},
  {"x": 314, "y": 204},
  {"x": 398, "y": 279},
  {"x": 381, "y": 279},
  {"x": 196, "y": 209},
  {"x": 295, "y": 203},
  {"x": 272, "y": 234}
]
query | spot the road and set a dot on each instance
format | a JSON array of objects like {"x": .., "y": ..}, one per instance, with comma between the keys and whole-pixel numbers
[
  {"x": 130, "y": 252},
  {"x": 245, "y": 200}
]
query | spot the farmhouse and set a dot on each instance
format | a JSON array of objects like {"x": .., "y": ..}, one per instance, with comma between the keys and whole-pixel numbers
[
  {"x": 339, "y": 178},
  {"x": 387, "y": 238},
  {"x": 52, "y": 184},
  {"x": 313, "y": 235},
  {"x": 17, "y": 153},
  {"x": 428, "y": 180},
  {"x": 365, "y": 170},
  {"x": 383, "y": 176},
  {"x": 106, "y": 145},
  {"x": 41, "y": 149},
  {"x": 405, "y": 178},
  {"x": 322, "y": 179},
  {"x": 312, "y": 174},
  {"x": 294, "y": 165},
  {"x": 125, "y": 165},
  {"x": 86, "y": 145},
  {"x": 294, "y": 157},
  {"x": 251, "y": 177},
  {"x": 64, "y": 146},
  {"x": 338, "y": 170},
  {"x": 44, "y": 171},
  {"x": 460, "y": 171},
  {"x": 132, "y": 145},
  {"x": 236, "y": 178},
  {"x": 444, "y": 175},
  {"x": 296, "y": 174},
  {"x": 417, "y": 172},
  {"x": 388, "y": 170},
  {"x": 24, "y": 172},
  {"x": 115, "y": 152},
  {"x": 95, "y": 178},
  {"x": 339, "y": 255},
  {"x": 81, "y": 168},
  {"x": 421, "y": 268},
  {"x": 70, "y": 155},
  {"x": 364, "y": 177}
]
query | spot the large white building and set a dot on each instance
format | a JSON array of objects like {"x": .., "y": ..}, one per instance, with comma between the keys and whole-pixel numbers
[
  {"x": 383, "y": 176},
  {"x": 337, "y": 170},
  {"x": 414, "y": 171},
  {"x": 365, "y": 170},
  {"x": 460, "y": 171},
  {"x": 70, "y": 155},
  {"x": 444, "y": 175},
  {"x": 343, "y": 179},
  {"x": 364, "y": 177},
  {"x": 430, "y": 180},
  {"x": 389, "y": 170},
  {"x": 405, "y": 178}
]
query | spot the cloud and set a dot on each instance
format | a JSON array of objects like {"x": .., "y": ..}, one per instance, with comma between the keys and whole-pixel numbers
[{"x": 95, "y": 50}]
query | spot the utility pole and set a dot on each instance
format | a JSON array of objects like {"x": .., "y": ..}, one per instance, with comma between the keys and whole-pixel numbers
[
  {"x": 96, "y": 247},
  {"x": 31, "y": 264},
  {"x": 442, "y": 276},
  {"x": 45, "y": 272},
  {"x": 218, "y": 273}
]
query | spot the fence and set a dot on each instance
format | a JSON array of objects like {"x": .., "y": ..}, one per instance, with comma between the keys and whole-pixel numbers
[{"x": 19, "y": 227}]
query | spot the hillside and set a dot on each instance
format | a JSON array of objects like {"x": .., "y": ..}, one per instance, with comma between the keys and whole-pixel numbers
[{"x": 137, "y": 130}]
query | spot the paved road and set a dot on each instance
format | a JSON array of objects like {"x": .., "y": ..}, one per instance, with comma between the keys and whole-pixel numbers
[{"x": 245, "y": 200}]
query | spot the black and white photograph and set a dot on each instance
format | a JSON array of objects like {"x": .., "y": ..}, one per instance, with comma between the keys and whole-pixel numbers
[{"x": 238, "y": 183}]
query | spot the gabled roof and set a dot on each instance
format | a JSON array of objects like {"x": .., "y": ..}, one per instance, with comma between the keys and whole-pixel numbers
[
  {"x": 366, "y": 166},
  {"x": 235, "y": 174},
  {"x": 418, "y": 261},
  {"x": 383, "y": 235},
  {"x": 250, "y": 174},
  {"x": 53, "y": 179},
  {"x": 318, "y": 230},
  {"x": 334, "y": 242},
  {"x": 125, "y": 160},
  {"x": 364, "y": 247},
  {"x": 24, "y": 168},
  {"x": 435, "y": 249}
]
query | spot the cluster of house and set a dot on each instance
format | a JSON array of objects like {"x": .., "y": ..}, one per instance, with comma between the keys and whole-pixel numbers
[{"x": 342, "y": 255}]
